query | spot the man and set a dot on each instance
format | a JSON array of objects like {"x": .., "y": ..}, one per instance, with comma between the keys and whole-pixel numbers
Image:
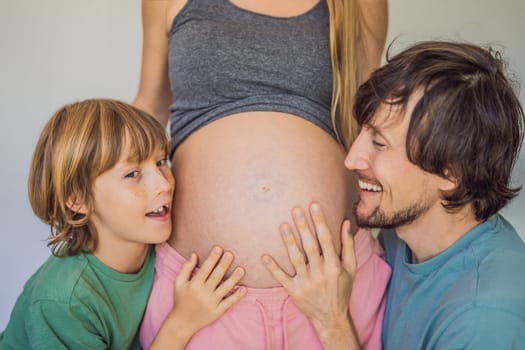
[{"x": 441, "y": 129}]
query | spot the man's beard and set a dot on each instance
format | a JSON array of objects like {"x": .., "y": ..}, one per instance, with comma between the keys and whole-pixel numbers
[{"x": 379, "y": 219}]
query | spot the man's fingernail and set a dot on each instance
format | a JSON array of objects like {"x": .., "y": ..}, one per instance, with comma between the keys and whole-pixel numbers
[{"x": 298, "y": 213}]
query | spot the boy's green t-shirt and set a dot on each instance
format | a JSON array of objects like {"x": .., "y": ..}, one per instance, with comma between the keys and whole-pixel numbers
[{"x": 77, "y": 302}]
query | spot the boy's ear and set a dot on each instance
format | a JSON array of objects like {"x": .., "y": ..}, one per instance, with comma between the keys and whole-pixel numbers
[
  {"x": 76, "y": 205},
  {"x": 450, "y": 182}
]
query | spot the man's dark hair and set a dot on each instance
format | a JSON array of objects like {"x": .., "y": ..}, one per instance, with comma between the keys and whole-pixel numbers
[{"x": 468, "y": 122}]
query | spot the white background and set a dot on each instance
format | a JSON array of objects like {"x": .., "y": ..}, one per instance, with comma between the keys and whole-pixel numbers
[{"x": 59, "y": 51}]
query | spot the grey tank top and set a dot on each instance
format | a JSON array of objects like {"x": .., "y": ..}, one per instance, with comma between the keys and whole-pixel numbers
[{"x": 225, "y": 60}]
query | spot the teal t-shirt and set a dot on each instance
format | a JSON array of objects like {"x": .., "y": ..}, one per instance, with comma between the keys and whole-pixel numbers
[
  {"x": 77, "y": 302},
  {"x": 471, "y": 296}
]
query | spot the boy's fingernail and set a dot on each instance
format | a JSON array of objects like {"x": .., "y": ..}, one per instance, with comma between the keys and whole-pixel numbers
[{"x": 316, "y": 209}]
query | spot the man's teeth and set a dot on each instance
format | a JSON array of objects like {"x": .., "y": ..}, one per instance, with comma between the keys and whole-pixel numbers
[{"x": 369, "y": 187}]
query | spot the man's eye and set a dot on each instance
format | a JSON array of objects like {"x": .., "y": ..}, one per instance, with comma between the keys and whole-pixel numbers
[
  {"x": 132, "y": 174},
  {"x": 378, "y": 144}
]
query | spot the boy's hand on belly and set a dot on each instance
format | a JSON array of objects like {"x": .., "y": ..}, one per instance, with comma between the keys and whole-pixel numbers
[
  {"x": 322, "y": 282},
  {"x": 200, "y": 299},
  {"x": 203, "y": 298}
]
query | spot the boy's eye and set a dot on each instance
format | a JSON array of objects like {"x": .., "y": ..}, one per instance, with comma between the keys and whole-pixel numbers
[
  {"x": 132, "y": 174},
  {"x": 162, "y": 162}
]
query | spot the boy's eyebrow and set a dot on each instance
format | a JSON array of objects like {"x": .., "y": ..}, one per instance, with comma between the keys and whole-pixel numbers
[
  {"x": 134, "y": 157},
  {"x": 122, "y": 164},
  {"x": 131, "y": 159}
]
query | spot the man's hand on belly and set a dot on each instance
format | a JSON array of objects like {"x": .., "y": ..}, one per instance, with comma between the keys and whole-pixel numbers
[{"x": 322, "y": 282}]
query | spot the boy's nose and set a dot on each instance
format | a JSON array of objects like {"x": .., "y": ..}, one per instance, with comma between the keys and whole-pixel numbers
[{"x": 165, "y": 181}]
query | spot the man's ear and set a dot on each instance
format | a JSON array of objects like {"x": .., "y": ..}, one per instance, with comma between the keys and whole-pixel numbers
[
  {"x": 450, "y": 182},
  {"x": 76, "y": 205}
]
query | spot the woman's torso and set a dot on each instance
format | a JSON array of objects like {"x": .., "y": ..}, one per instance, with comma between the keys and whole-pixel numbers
[{"x": 239, "y": 174}]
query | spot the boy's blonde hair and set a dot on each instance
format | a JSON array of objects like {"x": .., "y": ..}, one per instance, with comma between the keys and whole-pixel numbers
[{"x": 81, "y": 141}]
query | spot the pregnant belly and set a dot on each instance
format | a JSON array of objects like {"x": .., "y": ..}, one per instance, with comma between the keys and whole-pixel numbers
[{"x": 237, "y": 179}]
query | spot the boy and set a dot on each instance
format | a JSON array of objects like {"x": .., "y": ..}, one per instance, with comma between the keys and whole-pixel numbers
[{"x": 100, "y": 179}]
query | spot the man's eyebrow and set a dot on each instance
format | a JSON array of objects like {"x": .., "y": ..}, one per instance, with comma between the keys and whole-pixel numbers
[
  {"x": 375, "y": 129},
  {"x": 379, "y": 131}
]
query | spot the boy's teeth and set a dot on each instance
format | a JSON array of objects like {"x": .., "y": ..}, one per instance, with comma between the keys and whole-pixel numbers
[{"x": 160, "y": 209}]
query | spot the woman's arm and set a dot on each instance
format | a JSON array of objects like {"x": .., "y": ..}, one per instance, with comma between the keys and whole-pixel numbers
[
  {"x": 154, "y": 95},
  {"x": 322, "y": 283}
]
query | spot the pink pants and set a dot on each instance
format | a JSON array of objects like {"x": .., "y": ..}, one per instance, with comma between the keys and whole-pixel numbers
[{"x": 267, "y": 318}]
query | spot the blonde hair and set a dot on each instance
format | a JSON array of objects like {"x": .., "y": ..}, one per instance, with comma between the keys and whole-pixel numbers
[
  {"x": 346, "y": 28},
  {"x": 81, "y": 141}
]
